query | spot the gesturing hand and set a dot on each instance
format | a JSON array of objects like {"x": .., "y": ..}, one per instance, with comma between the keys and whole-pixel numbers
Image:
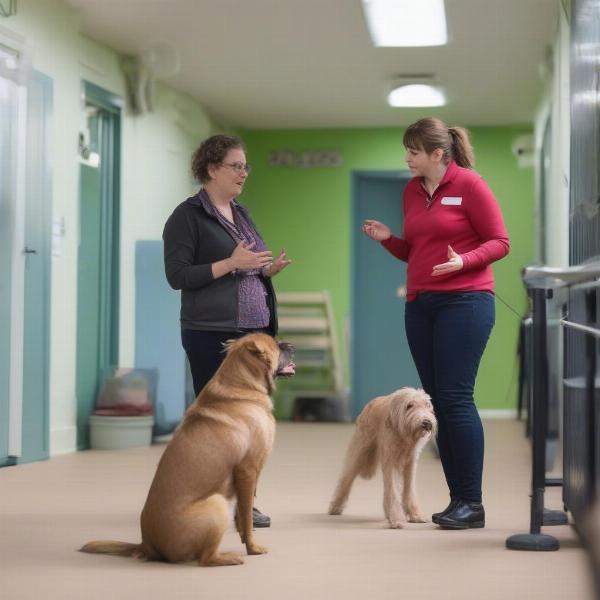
[
  {"x": 454, "y": 263},
  {"x": 376, "y": 231},
  {"x": 244, "y": 258},
  {"x": 280, "y": 263}
]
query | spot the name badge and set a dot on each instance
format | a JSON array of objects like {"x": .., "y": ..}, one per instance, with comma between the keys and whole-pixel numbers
[{"x": 452, "y": 200}]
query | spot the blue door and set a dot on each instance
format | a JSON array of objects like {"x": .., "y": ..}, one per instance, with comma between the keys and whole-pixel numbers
[
  {"x": 380, "y": 358},
  {"x": 36, "y": 327},
  {"x": 24, "y": 421}
]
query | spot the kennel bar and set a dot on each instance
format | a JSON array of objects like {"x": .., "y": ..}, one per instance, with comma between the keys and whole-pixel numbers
[
  {"x": 582, "y": 462},
  {"x": 582, "y": 450}
]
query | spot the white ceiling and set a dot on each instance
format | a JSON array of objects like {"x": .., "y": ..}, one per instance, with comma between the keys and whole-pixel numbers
[{"x": 310, "y": 63}]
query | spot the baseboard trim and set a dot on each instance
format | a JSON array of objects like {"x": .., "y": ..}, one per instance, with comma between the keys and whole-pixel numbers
[
  {"x": 498, "y": 413},
  {"x": 63, "y": 440}
]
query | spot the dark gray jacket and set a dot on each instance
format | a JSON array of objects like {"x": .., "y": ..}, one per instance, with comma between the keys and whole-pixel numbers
[{"x": 193, "y": 240}]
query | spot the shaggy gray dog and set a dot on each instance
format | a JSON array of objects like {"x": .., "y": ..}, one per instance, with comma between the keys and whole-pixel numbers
[{"x": 391, "y": 431}]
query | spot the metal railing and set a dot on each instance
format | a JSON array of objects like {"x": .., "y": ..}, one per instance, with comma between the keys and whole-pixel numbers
[{"x": 581, "y": 435}]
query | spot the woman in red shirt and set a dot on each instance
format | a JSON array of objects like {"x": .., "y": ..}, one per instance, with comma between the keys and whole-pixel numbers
[{"x": 453, "y": 231}]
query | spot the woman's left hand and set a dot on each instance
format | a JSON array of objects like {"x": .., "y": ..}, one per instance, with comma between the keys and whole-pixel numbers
[
  {"x": 454, "y": 263},
  {"x": 280, "y": 263}
]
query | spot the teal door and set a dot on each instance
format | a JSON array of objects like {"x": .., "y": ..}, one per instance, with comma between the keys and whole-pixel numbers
[
  {"x": 98, "y": 258},
  {"x": 8, "y": 110},
  {"x": 380, "y": 358},
  {"x": 36, "y": 327},
  {"x": 88, "y": 297}
]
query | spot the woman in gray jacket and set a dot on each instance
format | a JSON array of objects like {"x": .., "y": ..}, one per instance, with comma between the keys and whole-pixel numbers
[{"x": 216, "y": 257}]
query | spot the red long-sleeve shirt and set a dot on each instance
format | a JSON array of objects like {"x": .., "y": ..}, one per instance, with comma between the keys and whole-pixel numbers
[{"x": 462, "y": 213}]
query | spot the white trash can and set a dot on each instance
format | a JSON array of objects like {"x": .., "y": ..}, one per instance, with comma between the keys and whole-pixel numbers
[{"x": 118, "y": 433}]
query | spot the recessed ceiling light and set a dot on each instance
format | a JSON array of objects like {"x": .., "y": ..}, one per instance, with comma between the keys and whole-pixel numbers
[
  {"x": 406, "y": 22},
  {"x": 416, "y": 94}
]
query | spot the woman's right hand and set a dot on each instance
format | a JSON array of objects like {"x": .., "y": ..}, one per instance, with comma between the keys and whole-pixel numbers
[
  {"x": 376, "y": 231},
  {"x": 244, "y": 258}
]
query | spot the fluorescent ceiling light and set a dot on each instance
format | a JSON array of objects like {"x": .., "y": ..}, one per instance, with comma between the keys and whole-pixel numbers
[
  {"x": 406, "y": 22},
  {"x": 416, "y": 95}
]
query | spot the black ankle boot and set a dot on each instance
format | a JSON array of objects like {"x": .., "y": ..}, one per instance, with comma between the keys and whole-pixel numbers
[
  {"x": 465, "y": 515},
  {"x": 435, "y": 516},
  {"x": 260, "y": 519}
]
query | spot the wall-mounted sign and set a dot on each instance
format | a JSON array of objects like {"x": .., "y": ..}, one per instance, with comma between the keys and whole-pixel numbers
[{"x": 315, "y": 158}]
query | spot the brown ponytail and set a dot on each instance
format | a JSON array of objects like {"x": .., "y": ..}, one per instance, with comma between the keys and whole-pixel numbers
[
  {"x": 462, "y": 150},
  {"x": 429, "y": 134}
]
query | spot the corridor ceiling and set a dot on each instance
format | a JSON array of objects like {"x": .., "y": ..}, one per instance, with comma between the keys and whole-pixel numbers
[{"x": 263, "y": 64}]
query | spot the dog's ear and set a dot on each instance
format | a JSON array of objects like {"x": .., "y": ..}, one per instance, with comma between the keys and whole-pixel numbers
[
  {"x": 256, "y": 347},
  {"x": 394, "y": 415},
  {"x": 260, "y": 349}
]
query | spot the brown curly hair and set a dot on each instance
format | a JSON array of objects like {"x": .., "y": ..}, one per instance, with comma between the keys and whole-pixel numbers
[{"x": 212, "y": 151}]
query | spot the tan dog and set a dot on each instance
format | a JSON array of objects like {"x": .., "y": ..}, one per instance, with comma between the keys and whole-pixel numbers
[
  {"x": 391, "y": 431},
  {"x": 217, "y": 453}
]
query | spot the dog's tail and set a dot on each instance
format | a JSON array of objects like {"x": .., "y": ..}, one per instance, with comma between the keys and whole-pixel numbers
[{"x": 114, "y": 548}]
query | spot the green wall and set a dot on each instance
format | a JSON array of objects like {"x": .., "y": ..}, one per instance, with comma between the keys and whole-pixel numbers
[{"x": 308, "y": 212}]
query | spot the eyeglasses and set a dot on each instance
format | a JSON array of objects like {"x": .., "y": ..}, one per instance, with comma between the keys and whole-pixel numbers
[{"x": 238, "y": 167}]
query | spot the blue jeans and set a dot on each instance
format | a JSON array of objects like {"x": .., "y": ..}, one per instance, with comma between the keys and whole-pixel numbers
[{"x": 447, "y": 334}]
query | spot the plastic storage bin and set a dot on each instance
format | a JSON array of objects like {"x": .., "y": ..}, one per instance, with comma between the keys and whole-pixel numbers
[{"x": 117, "y": 433}]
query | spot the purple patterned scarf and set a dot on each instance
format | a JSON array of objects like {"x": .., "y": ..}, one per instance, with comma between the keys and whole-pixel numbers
[{"x": 253, "y": 312}]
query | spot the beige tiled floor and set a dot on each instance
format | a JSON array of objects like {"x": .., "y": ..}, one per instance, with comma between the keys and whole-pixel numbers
[{"x": 49, "y": 509}]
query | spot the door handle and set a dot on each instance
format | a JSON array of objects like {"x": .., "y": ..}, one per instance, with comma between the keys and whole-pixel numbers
[{"x": 27, "y": 250}]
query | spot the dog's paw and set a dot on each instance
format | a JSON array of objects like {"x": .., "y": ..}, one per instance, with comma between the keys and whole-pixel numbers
[
  {"x": 256, "y": 549},
  {"x": 335, "y": 509},
  {"x": 396, "y": 524},
  {"x": 416, "y": 518},
  {"x": 222, "y": 560}
]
